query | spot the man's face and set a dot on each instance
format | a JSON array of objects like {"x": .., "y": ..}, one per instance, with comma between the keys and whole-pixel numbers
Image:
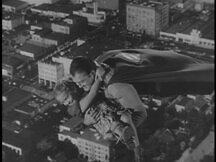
[{"x": 84, "y": 80}]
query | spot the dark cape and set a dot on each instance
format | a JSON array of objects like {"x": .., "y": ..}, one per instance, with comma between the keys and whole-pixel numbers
[{"x": 162, "y": 73}]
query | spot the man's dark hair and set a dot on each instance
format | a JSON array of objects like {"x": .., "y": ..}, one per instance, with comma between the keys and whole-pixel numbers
[{"x": 82, "y": 64}]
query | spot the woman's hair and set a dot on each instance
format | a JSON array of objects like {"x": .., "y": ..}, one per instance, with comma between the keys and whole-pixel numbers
[{"x": 68, "y": 87}]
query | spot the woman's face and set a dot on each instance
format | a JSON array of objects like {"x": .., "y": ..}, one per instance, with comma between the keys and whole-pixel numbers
[{"x": 65, "y": 99}]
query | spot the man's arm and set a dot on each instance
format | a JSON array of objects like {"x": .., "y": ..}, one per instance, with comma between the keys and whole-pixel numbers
[{"x": 127, "y": 96}]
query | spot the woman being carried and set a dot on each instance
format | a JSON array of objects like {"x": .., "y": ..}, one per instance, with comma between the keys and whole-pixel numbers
[{"x": 102, "y": 113}]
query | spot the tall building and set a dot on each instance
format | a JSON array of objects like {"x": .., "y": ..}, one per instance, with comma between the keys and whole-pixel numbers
[
  {"x": 89, "y": 143},
  {"x": 49, "y": 72},
  {"x": 147, "y": 17}
]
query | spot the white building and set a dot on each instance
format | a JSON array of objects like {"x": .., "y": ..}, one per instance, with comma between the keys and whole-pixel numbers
[
  {"x": 65, "y": 62},
  {"x": 50, "y": 72},
  {"x": 89, "y": 143},
  {"x": 147, "y": 17}
]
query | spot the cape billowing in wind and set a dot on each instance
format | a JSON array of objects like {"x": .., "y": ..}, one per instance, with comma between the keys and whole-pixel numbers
[{"x": 163, "y": 73}]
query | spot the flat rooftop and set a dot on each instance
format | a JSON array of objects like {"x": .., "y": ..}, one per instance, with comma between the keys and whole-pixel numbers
[
  {"x": 14, "y": 3},
  {"x": 149, "y": 4},
  {"x": 32, "y": 48},
  {"x": 14, "y": 97},
  {"x": 68, "y": 8},
  {"x": 12, "y": 61},
  {"x": 10, "y": 16},
  {"x": 188, "y": 22},
  {"x": 61, "y": 38}
]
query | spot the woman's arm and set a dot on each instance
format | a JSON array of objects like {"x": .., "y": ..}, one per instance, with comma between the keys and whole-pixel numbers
[{"x": 86, "y": 100}]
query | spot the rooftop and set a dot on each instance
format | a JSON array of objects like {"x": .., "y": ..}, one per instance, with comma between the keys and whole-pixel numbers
[
  {"x": 31, "y": 48},
  {"x": 65, "y": 8},
  {"x": 184, "y": 101},
  {"x": 149, "y": 4},
  {"x": 14, "y": 115},
  {"x": 26, "y": 109},
  {"x": 10, "y": 16},
  {"x": 192, "y": 21},
  {"x": 73, "y": 122},
  {"x": 14, "y": 97},
  {"x": 23, "y": 140},
  {"x": 61, "y": 38},
  {"x": 13, "y": 3},
  {"x": 12, "y": 61}
]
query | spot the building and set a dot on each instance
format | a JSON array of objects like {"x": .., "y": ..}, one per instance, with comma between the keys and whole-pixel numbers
[
  {"x": 89, "y": 143},
  {"x": 184, "y": 5},
  {"x": 13, "y": 98},
  {"x": 73, "y": 25},
  {"x": 10, "y": 20},
  {"x": 107, "y": 4},
  {"x": 39, "y": 2},
  {"x": 49, "y": 72},
  {"x": 147, "y": 17},
  {"x": 65, "y": 62},
  {"x": 10, "y": 65},
  {"x": 192, "y": 30},
  {"x": 206, "y": 147},
  {"x": 13, "y": 6},
  {"x": 183, "y": 104},
  {"x": 55, "y": 10},
  {"x": 32, "y": 51},
  {"x": 204, "y": 1},
  {"x": 20, "y": 143},
  {"x": 94, "y": 17}
]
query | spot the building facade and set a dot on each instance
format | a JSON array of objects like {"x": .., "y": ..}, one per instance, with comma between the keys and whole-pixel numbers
[
  {"x": 194, "y": 38},
  {"x": 147, "y": 17},
  {"x": 50, "y": 72},
  {"x": 89, "y": 143}
]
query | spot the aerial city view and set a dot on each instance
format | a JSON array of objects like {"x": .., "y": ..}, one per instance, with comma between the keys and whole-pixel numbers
[{"x": 108, "y": 81}]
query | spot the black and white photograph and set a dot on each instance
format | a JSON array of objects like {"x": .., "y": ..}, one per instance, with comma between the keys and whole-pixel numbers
[{"x": 108, "y": 80}]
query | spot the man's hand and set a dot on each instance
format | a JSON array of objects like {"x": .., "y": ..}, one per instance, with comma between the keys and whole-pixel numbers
[
  {"x": 90, "y": 118},
  {"x": 100, "y": 73}
]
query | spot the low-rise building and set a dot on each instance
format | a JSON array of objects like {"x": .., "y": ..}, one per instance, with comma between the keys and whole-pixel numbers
[
  {"x": 39, "y": 2},
  {"x": 10, "y": 21},
  {"x": 32, "y": 51},
  {"x": 10, "y": 65},
  {"x": 89, "y": 143},
  {"x": 13, "y": 6},
  {"x": 73, "y": 25},
  {"x": 192, "y": 30},
  {"x": 94, "y": 17},
  {"x": 183, "y": 104}
]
